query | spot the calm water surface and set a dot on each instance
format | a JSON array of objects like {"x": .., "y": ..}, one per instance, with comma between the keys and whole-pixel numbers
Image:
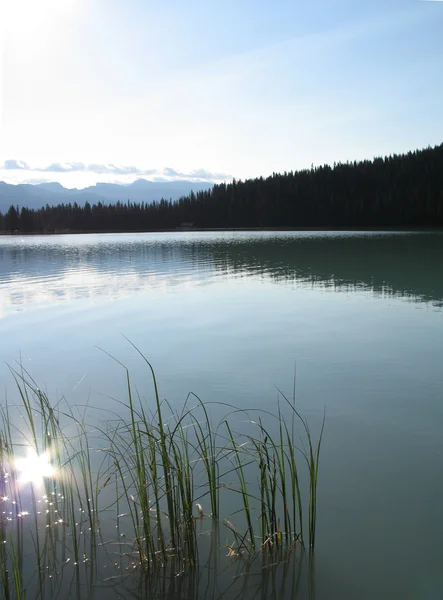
[{"x": 227, "y": 315}]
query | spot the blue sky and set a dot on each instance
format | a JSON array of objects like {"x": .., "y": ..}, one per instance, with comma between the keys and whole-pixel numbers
[{"x": 97, "y": 90}]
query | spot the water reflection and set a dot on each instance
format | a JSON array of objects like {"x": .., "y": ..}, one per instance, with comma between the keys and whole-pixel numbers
[
  {"x": 290, "y": 579},
  {"x": 94, "y": 567},
  {"x": 377, "y": 367},
  {"x": 42, "y": 270}
]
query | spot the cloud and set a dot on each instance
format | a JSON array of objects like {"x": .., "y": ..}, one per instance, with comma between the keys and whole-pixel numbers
[
  {"x": 111, "y": 169},
  {"x": 108, "y": 169},
  {"x": 77, "y": 167},
  {"x": 195, "y": 174},
  {"x": 62, "y": 168},
  {"x": 204, "y": 174},
  {"x": 168, "y": 172},
  {"x": 119, "y": 170},
  {"x": 12, "y": 165}
]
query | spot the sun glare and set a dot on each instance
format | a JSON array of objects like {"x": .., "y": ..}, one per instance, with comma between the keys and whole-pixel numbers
[
  {"x": 23, "y": 16},
  {"x": 34, "y": 468}
]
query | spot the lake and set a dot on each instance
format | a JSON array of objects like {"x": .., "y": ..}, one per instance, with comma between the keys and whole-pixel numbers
[{"x": 229, "y": 316}]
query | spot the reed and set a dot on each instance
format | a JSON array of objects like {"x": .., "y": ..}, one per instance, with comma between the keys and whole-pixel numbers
[{"x": 165, "y": 466}]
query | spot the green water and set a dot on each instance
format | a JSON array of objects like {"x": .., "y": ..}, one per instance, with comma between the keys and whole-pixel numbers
[{"x": 228, "y": 315}]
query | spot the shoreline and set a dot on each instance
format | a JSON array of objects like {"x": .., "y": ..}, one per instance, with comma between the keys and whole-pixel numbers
[{"x": 394, "y": 229}]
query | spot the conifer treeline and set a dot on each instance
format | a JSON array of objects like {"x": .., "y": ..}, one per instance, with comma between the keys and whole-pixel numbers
[{"x": 397, "y": 191}]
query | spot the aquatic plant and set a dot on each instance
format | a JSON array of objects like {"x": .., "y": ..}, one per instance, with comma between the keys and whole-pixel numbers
[{"x": 157, "y": 475}]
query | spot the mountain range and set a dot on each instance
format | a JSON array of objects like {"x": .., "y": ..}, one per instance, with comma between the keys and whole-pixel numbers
[{"x": 142, "y": 190}]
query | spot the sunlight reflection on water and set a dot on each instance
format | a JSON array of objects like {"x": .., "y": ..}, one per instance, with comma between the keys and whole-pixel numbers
[{"x": 34, "y": 468}]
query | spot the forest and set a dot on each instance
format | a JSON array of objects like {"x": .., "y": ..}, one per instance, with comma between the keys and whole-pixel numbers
[{"x": 396, "y": 191}]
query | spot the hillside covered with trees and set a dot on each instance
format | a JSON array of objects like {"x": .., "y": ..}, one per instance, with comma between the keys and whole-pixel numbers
[{"x": 396, "y": 191}]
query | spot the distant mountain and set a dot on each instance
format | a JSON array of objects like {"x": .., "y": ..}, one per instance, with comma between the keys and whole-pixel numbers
[
  {"x": 36, "y": 196},
  {"x": 51, "y": 187}
]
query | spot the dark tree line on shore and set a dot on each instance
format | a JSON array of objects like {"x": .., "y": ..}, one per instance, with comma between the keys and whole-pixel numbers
[{"x": 396, "y": 191}]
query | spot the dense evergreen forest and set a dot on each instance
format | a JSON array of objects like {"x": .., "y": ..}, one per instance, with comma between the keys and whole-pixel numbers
[{"x": 396, "y": 191}]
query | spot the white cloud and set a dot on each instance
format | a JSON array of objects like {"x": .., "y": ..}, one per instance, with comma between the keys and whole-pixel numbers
[
  {"x": 77, "y": 173},
  {"x": 15, "y": 165}
]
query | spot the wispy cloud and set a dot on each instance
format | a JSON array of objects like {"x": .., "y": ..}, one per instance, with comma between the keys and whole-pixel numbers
[
  {"x": 119, "y": 170},
  {"x": 195, "y": 174},
  {"x": 111, "y": 169},
  {"x": 15, "y": 165},
  {"x": 61, "y": 168}
]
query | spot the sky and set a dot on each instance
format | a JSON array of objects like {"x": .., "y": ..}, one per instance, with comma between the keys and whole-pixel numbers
[{"x": 105, "y": 90}]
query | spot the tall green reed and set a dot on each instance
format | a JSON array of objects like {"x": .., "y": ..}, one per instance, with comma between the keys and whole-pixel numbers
[{"x": 166, "y": 467}]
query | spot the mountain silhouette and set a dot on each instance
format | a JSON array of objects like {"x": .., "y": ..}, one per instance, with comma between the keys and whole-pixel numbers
[{"x": 53, "y": 193}]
